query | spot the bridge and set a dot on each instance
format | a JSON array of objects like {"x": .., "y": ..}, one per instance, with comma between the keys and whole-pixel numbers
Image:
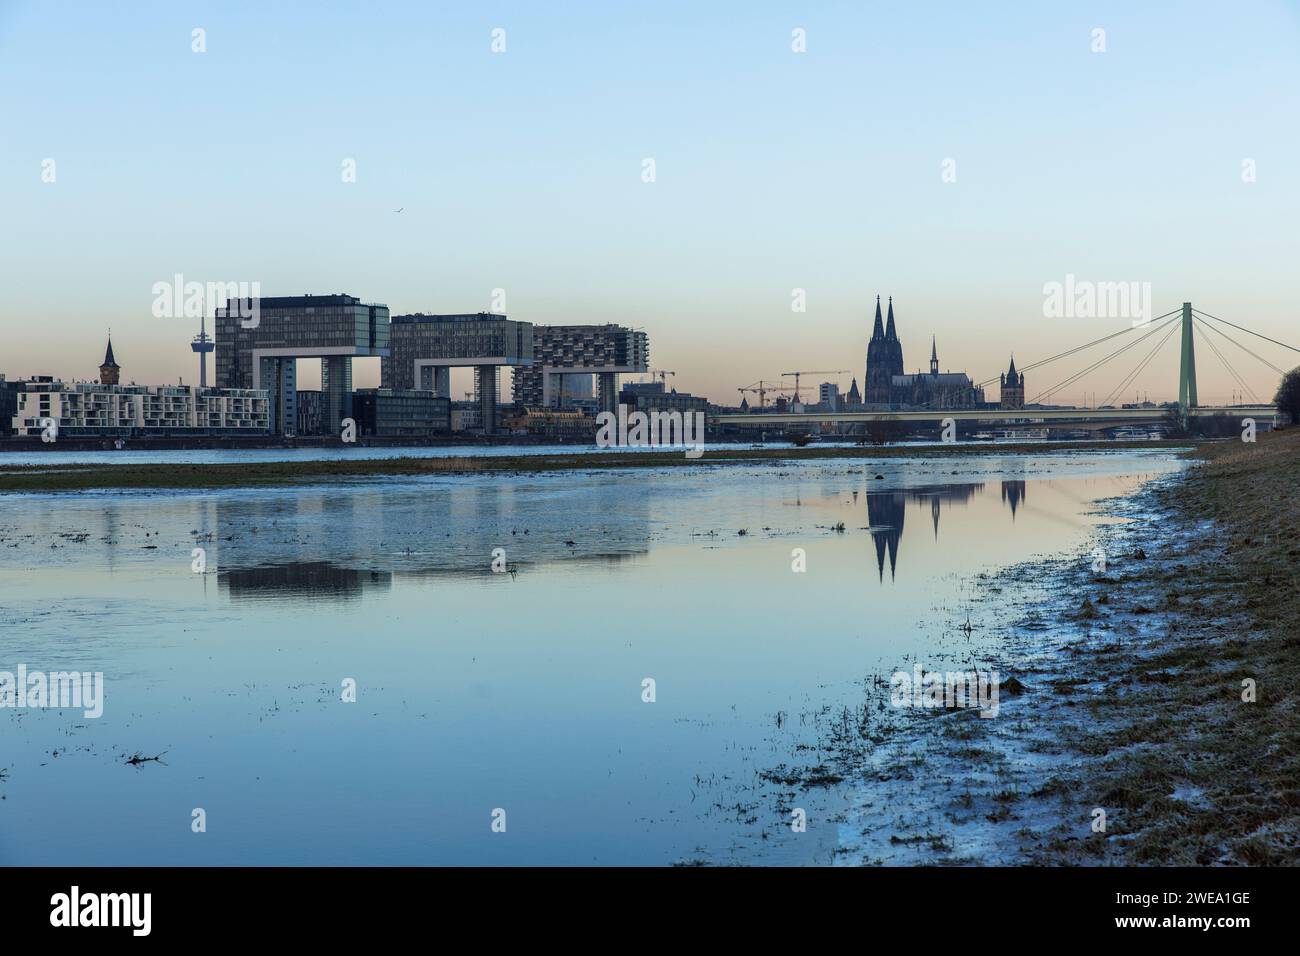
[{"x": 1186, "y": 320}]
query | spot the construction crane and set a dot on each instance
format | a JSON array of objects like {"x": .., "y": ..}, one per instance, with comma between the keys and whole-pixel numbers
[
  {"x": 761, "y": 388},
  {"x": 838, "y": 371},
  {"x": 663, "y": 375}
]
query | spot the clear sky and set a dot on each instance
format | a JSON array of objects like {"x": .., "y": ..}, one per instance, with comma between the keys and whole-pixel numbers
[{"x": 775, "y": 170}]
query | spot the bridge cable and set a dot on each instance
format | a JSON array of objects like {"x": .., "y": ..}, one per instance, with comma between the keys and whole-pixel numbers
[
  {"x": 1079, "y": 348},
  {"x": 1061, "y": 355},
  {"x": 1140, "y": 368},
  {"x": 1244, "y": 329},
  {"x": 1243, "y": 348},
  {"x": 1100, "y": 362},
  {"x": 1228, "y": 365}
]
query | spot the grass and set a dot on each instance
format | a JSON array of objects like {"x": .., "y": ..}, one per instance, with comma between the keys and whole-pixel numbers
[
  {"x": 89, "y": 477},
  {"x": 1182, "y": 725}
]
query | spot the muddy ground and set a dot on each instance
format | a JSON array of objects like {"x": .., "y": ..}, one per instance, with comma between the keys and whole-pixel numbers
[{"x": 1134, "y": 738}]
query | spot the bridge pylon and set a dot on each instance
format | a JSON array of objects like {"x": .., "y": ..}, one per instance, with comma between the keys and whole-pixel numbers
[{"x": 1187, "y": 371}]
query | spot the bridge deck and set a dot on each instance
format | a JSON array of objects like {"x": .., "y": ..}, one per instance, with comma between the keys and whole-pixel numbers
[{"x": 1024, "y": 416}]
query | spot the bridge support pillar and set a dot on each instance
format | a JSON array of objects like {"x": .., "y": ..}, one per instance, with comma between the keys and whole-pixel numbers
[{"x": 1187, "y": 371}]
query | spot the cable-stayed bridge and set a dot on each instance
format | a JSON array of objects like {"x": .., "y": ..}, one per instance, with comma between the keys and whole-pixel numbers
[{"x": 1187, "y": 322}]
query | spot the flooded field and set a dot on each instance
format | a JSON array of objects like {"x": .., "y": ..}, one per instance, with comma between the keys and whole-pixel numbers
[{"x": 229, "y": 627}]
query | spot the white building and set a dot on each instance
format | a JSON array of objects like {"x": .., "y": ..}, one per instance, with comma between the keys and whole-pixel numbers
[{"x": 87, "y": 408}]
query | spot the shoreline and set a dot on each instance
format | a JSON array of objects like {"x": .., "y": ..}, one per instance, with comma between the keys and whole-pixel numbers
[
  {"x": 39, "y": 478},
  {"x": 1129, "y": 694}
]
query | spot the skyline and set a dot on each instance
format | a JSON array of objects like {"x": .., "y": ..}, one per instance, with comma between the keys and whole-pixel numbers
[{"x": 775, "y": 171}]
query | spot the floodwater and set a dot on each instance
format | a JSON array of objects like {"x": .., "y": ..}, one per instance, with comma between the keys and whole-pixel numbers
[
  {"x": 480, "y": 696},
  {"x": 200, "y": 456}
]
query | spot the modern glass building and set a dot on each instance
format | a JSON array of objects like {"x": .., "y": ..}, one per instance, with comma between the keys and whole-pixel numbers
[
  {"x": 260, "y": 340},
  {"x": 425, "y": 348},
  {"x": 605, "y": 350},
  {"x": 401, "y": 412}
]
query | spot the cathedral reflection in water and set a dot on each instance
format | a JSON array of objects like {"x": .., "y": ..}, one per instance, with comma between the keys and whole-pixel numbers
[{"x": 887, "y": 510}]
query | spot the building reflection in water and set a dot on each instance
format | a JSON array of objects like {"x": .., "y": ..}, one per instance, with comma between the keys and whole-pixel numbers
[
  {"x": 886, "y": 512},
  {"x": 340, "y": 543},
  {"x": 314, "y": 579},
  {"x": 1013, "y": 492}
]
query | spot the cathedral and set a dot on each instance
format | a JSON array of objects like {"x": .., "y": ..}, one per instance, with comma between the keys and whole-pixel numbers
[
  {"x": 884, "y": 359},
  {"x": 887, "y": 384}
]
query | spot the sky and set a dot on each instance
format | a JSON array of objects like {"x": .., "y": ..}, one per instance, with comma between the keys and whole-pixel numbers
[{"x": 958, "y": 157}]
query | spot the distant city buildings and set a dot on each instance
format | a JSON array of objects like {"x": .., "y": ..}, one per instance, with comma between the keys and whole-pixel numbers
[
  {"x": 854, "y": 398},
  {"x": 262, "y": 353},
  {"x": 552, "y": 423},
  {"x": 889, "y": 386},
  {"x": 108, "y": 408},
  {"x": 309, "y": 412},
  {"x": 109, "y": 370},
  {"x": 1012, "y": 394},
  {"x": 91, "y": 408},
  {"x": 259, "y": 341},
  {"x": 8, "y": 404},
  {"x": 654, "y": 397},
  {"x": 401, "y": 412},
  {"x": 425, "y": 348},
  {"x": 606, "y": 351}
]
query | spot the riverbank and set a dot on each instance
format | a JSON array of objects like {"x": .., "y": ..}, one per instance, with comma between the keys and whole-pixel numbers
[
  {"x": 85, "y": 477},
  {"x": 1126, "y": 733},
  {"x": 1197, "y": 744}
]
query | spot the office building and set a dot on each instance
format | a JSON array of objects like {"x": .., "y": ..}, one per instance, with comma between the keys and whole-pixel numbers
[
  {"x": 403, "y": 412},
  {"x": 309, "y": 412},
  {"x": 261, "y": 352},
  {"x": 425, "y": 348},
  {"x": 606, "y": 351}
]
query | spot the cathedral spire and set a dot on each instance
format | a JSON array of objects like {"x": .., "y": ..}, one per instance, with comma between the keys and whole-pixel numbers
[
  {"x": 934, "y": 356},
  {"x": 878, "y": 330},
  {"x": 889, "y": 328}
]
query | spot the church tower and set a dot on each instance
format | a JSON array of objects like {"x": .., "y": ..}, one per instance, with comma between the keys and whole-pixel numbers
[
  {"x": 884, "y": 358},
  {"x": 1013, "y": 388},
  {"x": 934, "y": 356},
  {"x": 109, "y": 371}
]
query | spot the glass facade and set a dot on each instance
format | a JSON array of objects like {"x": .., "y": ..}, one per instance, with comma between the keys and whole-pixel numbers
[
  {"x": 464, "y": 340},
  {"x": 400, "y": 412},
  {"x": 259, "y": 342}
]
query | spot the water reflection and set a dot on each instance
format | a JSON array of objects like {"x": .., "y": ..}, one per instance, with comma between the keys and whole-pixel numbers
[
  {"x": 1013, "y": 492},
  {"x": 886, "y": 512},
  {"x": 486, "y": 689},
  {"x": 311, "y": 579}
]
